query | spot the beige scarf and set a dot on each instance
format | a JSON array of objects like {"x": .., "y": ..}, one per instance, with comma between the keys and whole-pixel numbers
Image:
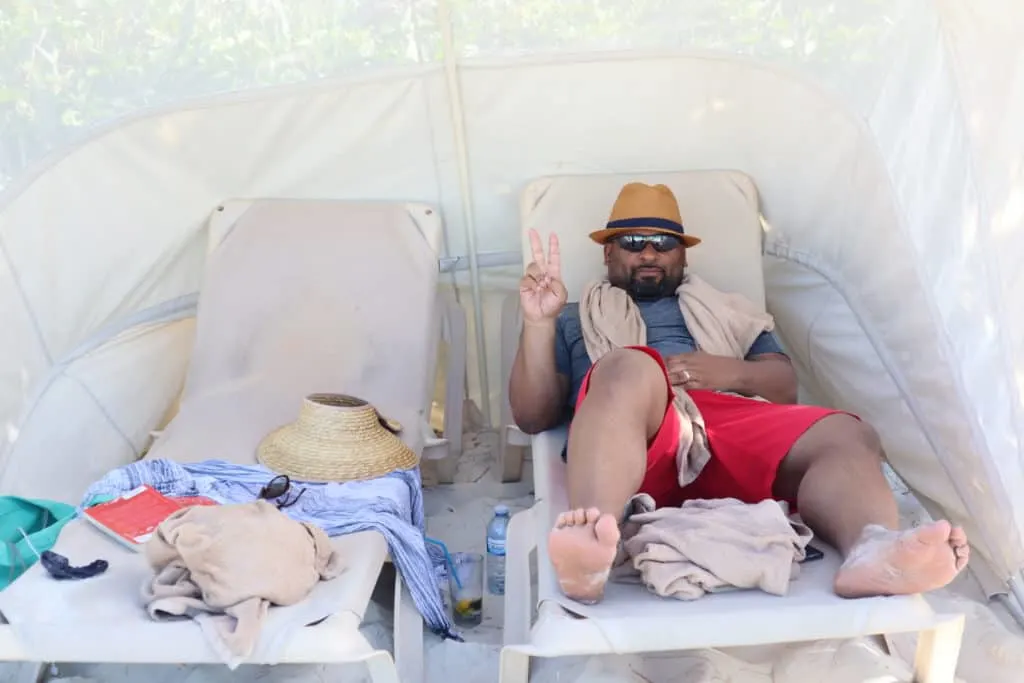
[{"x": 721, "y": 324}]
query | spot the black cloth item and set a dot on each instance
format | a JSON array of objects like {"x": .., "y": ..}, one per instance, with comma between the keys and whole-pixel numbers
[{"x": 58, "y": 566}]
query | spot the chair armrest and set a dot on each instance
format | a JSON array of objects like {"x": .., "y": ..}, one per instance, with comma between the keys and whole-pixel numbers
[
  {"x": 434, "y": 448},
  {"x": 548, "y": 468}
]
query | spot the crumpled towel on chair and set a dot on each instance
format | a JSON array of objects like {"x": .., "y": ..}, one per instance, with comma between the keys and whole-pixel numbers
[
  {"x": 224, "y": 566},
  {"x": 710, "y": 546}
]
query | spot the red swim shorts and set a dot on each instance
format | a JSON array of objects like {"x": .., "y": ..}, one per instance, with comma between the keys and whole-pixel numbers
[{"x": 748, "y": 440}]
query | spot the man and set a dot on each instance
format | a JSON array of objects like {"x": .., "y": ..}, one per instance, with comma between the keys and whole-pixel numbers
[{"x": 625, "y": 430}]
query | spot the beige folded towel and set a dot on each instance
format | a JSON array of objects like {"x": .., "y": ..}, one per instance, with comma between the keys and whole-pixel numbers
[
  {"x": 709, "y": 546},
  {"x": 224, "y": 566},
  {"x": 721, "y": 324}
]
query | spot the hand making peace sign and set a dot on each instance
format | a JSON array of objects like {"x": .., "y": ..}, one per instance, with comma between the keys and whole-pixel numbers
[{"x": 541, "y": 292}]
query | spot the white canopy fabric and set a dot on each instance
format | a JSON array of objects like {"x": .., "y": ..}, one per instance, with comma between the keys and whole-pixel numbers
[{"x": 884, "y": 138}]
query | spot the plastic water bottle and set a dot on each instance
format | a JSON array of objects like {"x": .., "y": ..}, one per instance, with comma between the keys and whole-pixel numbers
[{"x": 497, "y": 530}]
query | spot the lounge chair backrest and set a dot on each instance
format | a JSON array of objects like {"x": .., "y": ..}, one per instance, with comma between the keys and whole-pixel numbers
[
  {"x": 305, "y": 296},
  {"x": 720, "y": 207}
]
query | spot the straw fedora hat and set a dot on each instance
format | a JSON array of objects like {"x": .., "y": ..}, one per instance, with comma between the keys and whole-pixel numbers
[
  {"x": 336, "y": 438},
  {"x": 640, "y": 206}
]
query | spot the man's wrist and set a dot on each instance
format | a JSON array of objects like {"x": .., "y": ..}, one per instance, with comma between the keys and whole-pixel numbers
[
  {"x": 546, "y": 324},
  {"x": 740, "y": 376}
]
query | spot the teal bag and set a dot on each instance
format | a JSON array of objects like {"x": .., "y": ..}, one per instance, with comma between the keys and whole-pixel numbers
[{"x": 40, "y": 520}]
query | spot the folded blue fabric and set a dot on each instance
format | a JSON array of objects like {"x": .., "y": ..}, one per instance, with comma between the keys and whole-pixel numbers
[{"x": 391, "y": 505}]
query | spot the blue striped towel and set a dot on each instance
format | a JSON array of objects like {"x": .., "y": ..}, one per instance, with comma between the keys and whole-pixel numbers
[{"x": 391, "y": 505}]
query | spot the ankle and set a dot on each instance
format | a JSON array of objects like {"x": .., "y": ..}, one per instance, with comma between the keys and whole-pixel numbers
[{"x": 873, "y": 531}]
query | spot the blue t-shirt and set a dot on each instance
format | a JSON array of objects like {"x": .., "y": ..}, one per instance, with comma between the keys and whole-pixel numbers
[{"x": 666, "y": 333}]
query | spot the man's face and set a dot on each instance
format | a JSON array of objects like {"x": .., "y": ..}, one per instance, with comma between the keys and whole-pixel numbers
[{"x": 646, "y": 264}]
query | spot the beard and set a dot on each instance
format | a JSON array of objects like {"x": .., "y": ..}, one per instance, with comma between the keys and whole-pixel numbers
[{"x": 652, "y": 286}]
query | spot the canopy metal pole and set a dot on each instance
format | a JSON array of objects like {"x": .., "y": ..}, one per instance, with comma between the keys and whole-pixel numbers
[
  {"x": 1017, "y": 589},
  {"x": 1011, "y": 606},
  {"x": 444, "y": 19},
  {"x": 484, "y": 259}
]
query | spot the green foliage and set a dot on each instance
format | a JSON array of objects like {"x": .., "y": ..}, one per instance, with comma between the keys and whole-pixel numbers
[{"x": 67, "y": 65}]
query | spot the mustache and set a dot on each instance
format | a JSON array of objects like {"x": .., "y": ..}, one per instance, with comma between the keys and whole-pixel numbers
[{"x": 634, "y": 272}]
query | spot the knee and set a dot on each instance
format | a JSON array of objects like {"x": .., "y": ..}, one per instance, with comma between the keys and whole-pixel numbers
[
  {"x": 838, "y": 436},
  {"x": 625, "y": 371},
  {"x": 852, "y": 438},
  {"x": 862, "y": 436}
]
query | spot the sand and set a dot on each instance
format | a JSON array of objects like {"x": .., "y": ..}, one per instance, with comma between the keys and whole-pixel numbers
[{"x": 993, "y": 652}]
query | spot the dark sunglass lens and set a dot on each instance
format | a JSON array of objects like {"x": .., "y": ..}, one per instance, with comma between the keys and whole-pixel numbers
[
  {"x": 277, "y": 487},
  {"x": 665, "y": 242},
  {"x": 637, "y": 243},
  {"x": 632, "y": 243}
]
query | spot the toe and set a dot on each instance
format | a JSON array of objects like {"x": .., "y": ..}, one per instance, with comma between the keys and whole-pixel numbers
[
  {"x": 564, "y": 520},
  {"x": 934, "y": 533},
  {"x": 592, "y": 515},
  {"x": 579, "y": 516},
  {"x": 963, "y": 555},
  {"x": 958, "y": 536},
  {"x": 607, "y": 530}
]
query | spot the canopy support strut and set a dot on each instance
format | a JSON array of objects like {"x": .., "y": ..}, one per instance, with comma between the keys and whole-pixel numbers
[{"x": 444, "y": 19}]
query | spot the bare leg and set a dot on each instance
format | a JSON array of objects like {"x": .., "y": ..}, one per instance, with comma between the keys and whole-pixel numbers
[
  {"x": 834, "y": 470},
  {"x": 607, "y": 459}
]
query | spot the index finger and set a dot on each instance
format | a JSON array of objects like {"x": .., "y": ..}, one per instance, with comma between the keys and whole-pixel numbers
[
  {"x": 554, "y": 257},
  {"x": 538, "y": 250}
]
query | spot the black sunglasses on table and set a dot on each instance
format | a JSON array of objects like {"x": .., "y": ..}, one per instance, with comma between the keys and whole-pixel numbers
[
  {"x": 278, "y": 487},
  {"x": 637, "y": 243}
]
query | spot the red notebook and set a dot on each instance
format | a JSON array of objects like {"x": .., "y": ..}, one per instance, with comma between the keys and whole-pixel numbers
[{"x": 133, "y": 517}]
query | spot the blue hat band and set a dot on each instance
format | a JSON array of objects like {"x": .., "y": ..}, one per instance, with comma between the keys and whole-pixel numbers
[{"x": 641, "y": 223}]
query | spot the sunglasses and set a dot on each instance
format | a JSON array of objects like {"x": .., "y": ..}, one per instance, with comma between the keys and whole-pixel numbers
[
  {"x": 278, "y": 487},
  {"x": 637, "y": 243}
]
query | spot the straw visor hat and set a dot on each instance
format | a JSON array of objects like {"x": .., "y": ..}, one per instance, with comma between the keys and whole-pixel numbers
[
  {"x": 336, "y": 438},
  {"x": 645, "y": 207}
]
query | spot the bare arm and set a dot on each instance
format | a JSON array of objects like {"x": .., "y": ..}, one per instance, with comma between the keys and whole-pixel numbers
[
  {"x": 769, "y": 376},
  {"x": 537, "y": 391}
]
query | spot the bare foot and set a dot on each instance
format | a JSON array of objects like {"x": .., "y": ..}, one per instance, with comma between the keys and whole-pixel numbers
[
  {"x": 903, "y": 562},
  {"x": 582, "y": 547}
]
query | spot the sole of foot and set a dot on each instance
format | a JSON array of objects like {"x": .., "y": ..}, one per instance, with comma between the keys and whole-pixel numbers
[
  {"x": 903, "y": 562},
  {"x": 582, "y": 547}
]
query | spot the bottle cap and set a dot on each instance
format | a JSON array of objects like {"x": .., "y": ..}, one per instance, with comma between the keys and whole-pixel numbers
[{"x": 501, "y": 510}]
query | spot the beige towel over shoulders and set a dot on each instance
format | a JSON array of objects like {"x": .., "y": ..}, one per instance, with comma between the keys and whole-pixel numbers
[
  {"x": 721, "y": 324},
  {"x": 709, "y": 546},
  {"x": 225, "y": 565}
]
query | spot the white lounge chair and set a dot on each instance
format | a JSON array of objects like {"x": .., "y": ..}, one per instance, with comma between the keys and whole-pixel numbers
[
  {"x": 299, "y": 297},
  {"x": 722, "y": 208}
]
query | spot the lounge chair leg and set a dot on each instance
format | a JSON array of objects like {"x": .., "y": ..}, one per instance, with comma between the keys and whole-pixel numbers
[
  {"x": 382, "y": 668},
  {"x": 408, "y": 633},
  {"x": 515, "y": 667},
  {"x": 446, "y": 469},
  {"x": 938, "y": 650},
  {"x": 511, "y": 460},
  {"x": 522, "y": 539},
  {"x": 28, "y": 672}
]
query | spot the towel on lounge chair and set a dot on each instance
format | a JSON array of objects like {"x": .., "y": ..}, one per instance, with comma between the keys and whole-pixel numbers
[
  {"x": 225, "y": 566},
  {"x": 709, "y": 546},
  {"x": 391, "y": 505}
]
